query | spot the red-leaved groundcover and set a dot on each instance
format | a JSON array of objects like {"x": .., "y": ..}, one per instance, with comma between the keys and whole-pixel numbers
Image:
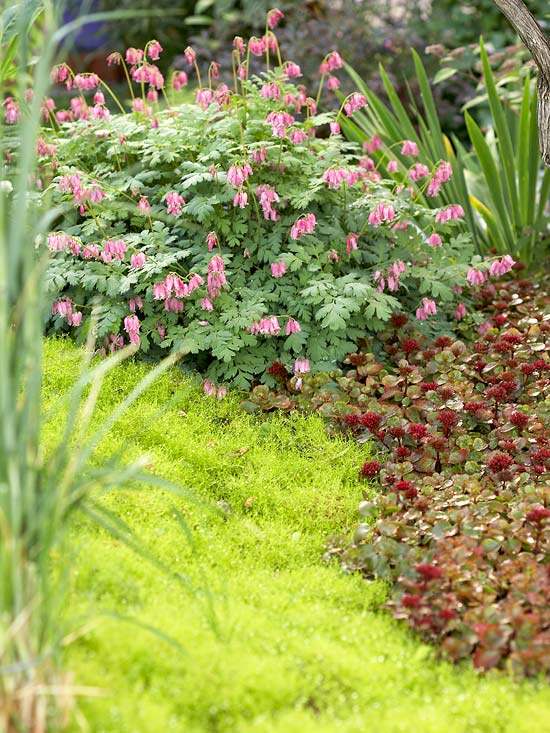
[{"x": 459, "y": 518}]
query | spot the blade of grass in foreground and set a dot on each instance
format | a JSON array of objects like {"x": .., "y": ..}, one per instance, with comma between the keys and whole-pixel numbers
[{"x": 39, "y": 494}]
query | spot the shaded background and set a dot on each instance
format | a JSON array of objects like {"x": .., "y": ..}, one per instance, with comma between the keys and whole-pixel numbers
[{"x": 366, "y": 32}]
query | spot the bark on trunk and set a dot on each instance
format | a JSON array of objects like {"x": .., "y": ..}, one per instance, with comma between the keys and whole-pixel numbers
[{"x": 532, "y": 35}]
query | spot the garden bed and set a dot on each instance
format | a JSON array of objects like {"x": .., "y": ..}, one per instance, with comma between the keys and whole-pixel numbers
[
  {"x": 302, "y": 646},
  {"x": 462, "y": 523}
]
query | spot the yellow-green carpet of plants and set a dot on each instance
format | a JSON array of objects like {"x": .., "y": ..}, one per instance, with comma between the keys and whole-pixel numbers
[{"x": 302, "y": 647}]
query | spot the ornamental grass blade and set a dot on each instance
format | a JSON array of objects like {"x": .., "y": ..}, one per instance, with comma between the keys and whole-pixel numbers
[
  {"x": 41, "y": 489},
  {"x": 493, "y": 180},
  {"x": 504, "y": 140}
]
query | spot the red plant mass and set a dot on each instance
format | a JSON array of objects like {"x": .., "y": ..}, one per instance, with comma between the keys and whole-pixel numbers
[
  {"x": 398, "y": 320},
  {"x": 461, "y": 524},
  {"x": 448, "y": 419},
  {"x": 370, "y": 469},
  {"x": 538, "y": 514},
  {"x": 519, "y": 419},
  {"x": 500, "y": 462},
  {"x": 417, "y": 430},
  {"x": 428, "y": 572},
  {"x": 410, "y": 345},
  {"x": 370, "y": 420}
]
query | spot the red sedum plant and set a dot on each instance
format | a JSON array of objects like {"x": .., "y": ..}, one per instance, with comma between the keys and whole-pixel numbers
[{"x": 461, "y": 523}]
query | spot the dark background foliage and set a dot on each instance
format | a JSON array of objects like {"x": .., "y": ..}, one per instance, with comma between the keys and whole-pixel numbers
[{"x": 367, "y": 33}]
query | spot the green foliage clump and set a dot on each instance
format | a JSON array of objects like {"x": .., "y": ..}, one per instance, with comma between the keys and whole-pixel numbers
[
  {"x": 499, "y": 177},
  {"x": 238, "y": 230}
]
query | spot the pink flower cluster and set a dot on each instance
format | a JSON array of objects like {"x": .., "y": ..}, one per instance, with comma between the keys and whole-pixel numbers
[
  {"x": 502, "y": 266},
  {"x": 442, "y": 174},
  {"x": 216, "y": 276},
  {"x": 297, "y": 137},
  {"x": 418, "y": 171},
  {"x": 190, "y": 55},
  {"x": 134, "y": 56},
  {"x": 278, "y": 269},
  {"x": 132, "y": 326},
  {"x": 410, "y": 148},
  {"x": 257, "y": 46},
  {"x": 12, "y": 112},
  {"x": 266, "y": 327},
  {"x": 392, "y": 278},
  {"x": 238, "y": 174},
  {"x": 86, "y": 82},
  {"x": 292, "y": 326},
  {"x": 373, "y": 144},
  {"x": 210, "y": 390},
  {"x": 44, "y": 149},
  {"x": 74, "y": 185},
  {"x": 279, "y": 122},
  {"x": 154, "y": 49},
  {"x": 60, "y": 242},
  {"x": 204, "y": 98},
  {"x": 354, "y": 103},
  {"x": 351, "y": 243},
  {"x": 91, "y": 252},
  {"x": 274, "y": 17},
  {"x": 211, "y": 240},
  {"x": 434, "y": 240},
  {"x": 179, "y": 80},
  {"x": 113, "y": 249},
  {"x": 301, "y": 366},
  {"x": 460, "y": 311},
  {"x": 497, "y": 269},
  {"x": 270, "y": 90},
  {"x": 335, "y": 177},
  {"x": 144, "y": 206},
  {"x": 240, "y": 199},
  {"x": 292, "y": 70},
  {"x": 148, "y": 74},
  {"x": 268, "y": 196},
  {"x": 65, "y": 309},
  {"x": 173, "y": 287},
  {"x": 382, "y": 213},
  {"x": 475, "y": 277},
  {"x": 258, "y": 155},
  {"x": 137, "y": 260},
  {"x": 454, "y": 211},
  {"x": 304, "y": 225},
  {"x": 61, "y": 74},
  {"x": 427, "y": 308},
  {"x": 174, "y": 203},
  {"x": 332, "y": 62}
]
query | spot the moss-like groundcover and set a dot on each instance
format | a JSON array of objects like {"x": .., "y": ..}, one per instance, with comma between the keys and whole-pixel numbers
[{"x": 302, "y": 647}]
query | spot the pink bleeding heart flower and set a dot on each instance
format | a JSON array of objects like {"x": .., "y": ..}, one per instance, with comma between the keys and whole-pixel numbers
[
  {"x": 292, "y": 326},
  {"x": 410, "y": 148},
  {"x": 475, "y": 277},
  {"x": 278, "y": 269}
]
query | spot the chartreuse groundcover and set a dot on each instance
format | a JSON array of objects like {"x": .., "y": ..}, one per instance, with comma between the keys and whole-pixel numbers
[{"x": 286, "y": 642}]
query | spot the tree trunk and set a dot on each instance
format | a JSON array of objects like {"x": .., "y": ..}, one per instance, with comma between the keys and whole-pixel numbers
[{"x": 532, "y": 35}]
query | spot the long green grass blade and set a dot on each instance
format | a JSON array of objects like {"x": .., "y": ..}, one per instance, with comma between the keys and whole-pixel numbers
[
  {"x": 428, "y": 101},
  {"x": 534, "y": 165},
  {"x": 406, "y": 127},
  {"x": 491, "y": 174},
  {"x": 504, "y": 139},
  {"x": 523, "y": 153}
]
